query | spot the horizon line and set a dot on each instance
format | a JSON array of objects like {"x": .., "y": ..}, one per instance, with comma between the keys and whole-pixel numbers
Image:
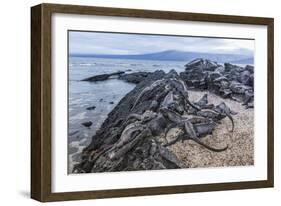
[{"x": 169, "y": 50}]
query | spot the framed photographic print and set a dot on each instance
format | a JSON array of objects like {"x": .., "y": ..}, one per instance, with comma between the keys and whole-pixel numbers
[{"x": 130, "y": 102}]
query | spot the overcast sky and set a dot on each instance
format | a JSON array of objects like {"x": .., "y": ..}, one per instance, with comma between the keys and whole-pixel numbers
[{"x": 116, "y": 43}]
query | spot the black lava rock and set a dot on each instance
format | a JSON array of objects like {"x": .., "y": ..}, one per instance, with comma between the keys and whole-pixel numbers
[
  {"x": 102, "y": 77},
  {"x": 135, "y": 78},
  {"x": 91, "y": 108},
  {"x": 87, "y": 124}
]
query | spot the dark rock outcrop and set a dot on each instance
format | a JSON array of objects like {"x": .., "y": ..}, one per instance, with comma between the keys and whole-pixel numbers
[
  {"x": 135, "y": 77},
  {"x": 228, "y": 81},
  {"x": 91, "y": 108},
  {"x": 202, "y": 64},
  {"x": 102, "y": 77},
  {"x": 133, "y": 137},
  {"x": 87, "y": 124}
]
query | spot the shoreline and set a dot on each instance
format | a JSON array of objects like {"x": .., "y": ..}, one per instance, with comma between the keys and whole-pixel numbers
[
  {"x": 240, "y": 142},
  {"x": 223, "y": 90}
]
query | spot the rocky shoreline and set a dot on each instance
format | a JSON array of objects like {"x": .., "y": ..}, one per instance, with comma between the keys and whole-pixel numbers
[
  {"x": 228, "y": 81},
  {"x": 135, "y": 134}
]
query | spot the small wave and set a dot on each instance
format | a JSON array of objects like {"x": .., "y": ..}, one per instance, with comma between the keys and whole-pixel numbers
[
  {"x": 79, "y": 116},
  {"x": 136, "y": 64},
  {"x": 85, "y": 64},
  {"x": 122, "y": 64}
]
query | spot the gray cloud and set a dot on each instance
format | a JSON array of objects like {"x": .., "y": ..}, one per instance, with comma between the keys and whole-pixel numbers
[{"x": 116, "y": 43}]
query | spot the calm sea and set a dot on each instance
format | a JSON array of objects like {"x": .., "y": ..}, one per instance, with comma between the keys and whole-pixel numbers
[{"x": 104, "y": 95}]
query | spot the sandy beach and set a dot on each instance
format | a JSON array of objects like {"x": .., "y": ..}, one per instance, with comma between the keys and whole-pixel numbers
[{"x": 240, "y": 142}]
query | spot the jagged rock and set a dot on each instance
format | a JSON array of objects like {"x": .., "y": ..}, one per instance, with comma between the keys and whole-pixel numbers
[
  {"x": 251, "y": 81},
  {"x": 133, "y": 137},
  {"x": 203, "y": 64},
  {"x": 231, "y": 67},
  {"x": 250, "y": 69},
  {"x": 135, "y": 78},
  {"x": 228, "y": 81},
  {"x": 245, "y": 77},
  {"x": 220, "y": 69},
  {"x": 238, "y": 88},
  {"x": 195, "y": 78}
]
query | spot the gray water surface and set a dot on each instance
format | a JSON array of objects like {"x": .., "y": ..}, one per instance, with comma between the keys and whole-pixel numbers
[{"x": 104, "y": 95}]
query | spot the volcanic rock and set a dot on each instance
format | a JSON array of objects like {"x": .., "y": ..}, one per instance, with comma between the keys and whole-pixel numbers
[
  {"x": 133, "y": 135},
  {"x": 135, "y": 78},
  {"x": 102, "y": 77}
]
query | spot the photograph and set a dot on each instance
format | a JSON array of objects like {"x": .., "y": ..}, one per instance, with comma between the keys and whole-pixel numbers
[
  {"x": 133, "y": 102},
  {"x": 157, "y": 101}
]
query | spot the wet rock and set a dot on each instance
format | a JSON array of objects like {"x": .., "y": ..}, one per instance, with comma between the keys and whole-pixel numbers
[
  {"x": 135, "y": 78},
  {"x": 102, "y": 77},
  {"x": 91, "y": 108},
  {"x": 87, "y": 124}
]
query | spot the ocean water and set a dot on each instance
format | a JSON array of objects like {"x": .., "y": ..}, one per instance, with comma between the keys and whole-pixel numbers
[{"x": 104, "y": 95}]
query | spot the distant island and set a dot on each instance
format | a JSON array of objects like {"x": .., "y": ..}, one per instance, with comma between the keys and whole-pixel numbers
[{"x": 175, "y": 55}]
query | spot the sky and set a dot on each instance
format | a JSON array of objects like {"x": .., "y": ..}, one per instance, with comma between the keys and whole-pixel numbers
[{"x": 118, "y": 43}]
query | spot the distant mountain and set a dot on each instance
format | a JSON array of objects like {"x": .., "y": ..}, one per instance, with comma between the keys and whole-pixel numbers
[{"x": 172, "y": 55}]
